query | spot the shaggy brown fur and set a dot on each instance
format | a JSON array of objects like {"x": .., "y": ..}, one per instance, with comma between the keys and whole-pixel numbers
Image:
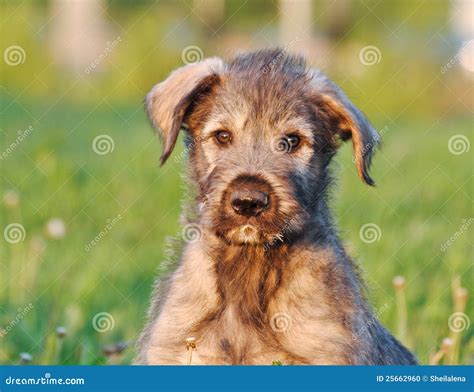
[{"x": 268, "y": 279}]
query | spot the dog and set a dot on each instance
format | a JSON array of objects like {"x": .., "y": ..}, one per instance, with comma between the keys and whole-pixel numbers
[{"x": 268, "y": 280}]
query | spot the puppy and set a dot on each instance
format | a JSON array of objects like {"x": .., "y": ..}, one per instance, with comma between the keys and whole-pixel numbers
[{"x": 263, "y": 276}]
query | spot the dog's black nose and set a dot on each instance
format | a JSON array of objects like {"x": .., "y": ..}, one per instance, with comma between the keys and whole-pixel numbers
[{"x": 249, "y": 202}]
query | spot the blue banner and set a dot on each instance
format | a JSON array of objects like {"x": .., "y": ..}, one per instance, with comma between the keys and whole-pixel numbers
[{"x": 238, "y": 378}]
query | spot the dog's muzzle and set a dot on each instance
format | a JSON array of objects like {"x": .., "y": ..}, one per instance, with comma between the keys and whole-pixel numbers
[{"x": 249, "y": 196}]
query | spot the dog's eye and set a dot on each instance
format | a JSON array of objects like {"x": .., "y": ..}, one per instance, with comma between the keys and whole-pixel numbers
[
  {"x": 288, "y": 143},
  {"x": 223, "y": 137}
]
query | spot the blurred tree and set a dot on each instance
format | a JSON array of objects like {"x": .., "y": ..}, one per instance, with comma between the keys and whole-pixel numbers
[
  {"x": 295, "y": 25},
  {"x": 338, "y": 19},
  {"x": 78, "y": 33},
  {"x": 463, "y": 25},
  {"x": 211, "y": 14}
]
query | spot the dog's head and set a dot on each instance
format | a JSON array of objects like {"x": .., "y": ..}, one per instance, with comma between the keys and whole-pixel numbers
[{"x": 261, "y": 131}]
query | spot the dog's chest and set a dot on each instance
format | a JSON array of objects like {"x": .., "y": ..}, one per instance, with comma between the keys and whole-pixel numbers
[
  {"x": 282, "y": 338},
  {"x": 229, "y": 340},
  {"x": 247, "y": 314},
  {"x": 263, "y": 316}
]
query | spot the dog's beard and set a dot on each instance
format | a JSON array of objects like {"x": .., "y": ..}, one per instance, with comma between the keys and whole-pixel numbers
[
  {"x": 245, "y": 234},
  {"x": 266, "y": 232}
]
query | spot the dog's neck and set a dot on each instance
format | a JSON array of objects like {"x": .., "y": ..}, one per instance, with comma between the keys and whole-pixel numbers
[{"x": 247, "y": 278}]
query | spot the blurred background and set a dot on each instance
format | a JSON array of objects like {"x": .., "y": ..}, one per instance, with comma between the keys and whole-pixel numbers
[{"x": 86, "y": 208}]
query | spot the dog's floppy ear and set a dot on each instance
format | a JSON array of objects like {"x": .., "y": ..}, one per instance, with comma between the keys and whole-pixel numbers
[
  {"x": 168, "y": 101},
  {"x": 349, "y": 121}
]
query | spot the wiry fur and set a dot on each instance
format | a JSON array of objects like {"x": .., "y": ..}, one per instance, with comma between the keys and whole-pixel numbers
[{"x": 277, "y": 286}]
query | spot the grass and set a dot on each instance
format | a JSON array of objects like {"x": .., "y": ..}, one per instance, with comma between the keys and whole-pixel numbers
[{"x": 49, "y": 281}]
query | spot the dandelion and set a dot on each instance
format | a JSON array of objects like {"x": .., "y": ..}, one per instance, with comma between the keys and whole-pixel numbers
[
  {"x": 190, "y": 346},
  {"x": 56, "y": 228},
  {"x": 60, "y": 335},
  {"x": 446, "y": 346},
  {"x": 458, "y": 321},
  {"x": 399, "y": 282},
  {"x": 11, "y": 199},
  {"x": 399, "y": 285},
  {"x": 114, "y": 351},
  {"x": 61, "y": 332},
  {"x": 25, "y": 358}
]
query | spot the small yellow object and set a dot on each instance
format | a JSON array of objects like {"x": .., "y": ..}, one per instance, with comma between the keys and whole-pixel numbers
[
  {"x": 190, "y": 346},
  {"x": 399, "y": 282},
  {"x": 190, "y": 343},
  {"x": 446, "y": 344}
]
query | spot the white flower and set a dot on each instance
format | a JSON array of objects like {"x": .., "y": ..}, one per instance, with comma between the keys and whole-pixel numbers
[
  {"x": 55, "y": 228},
  {"x": 11, "y": 199}
]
